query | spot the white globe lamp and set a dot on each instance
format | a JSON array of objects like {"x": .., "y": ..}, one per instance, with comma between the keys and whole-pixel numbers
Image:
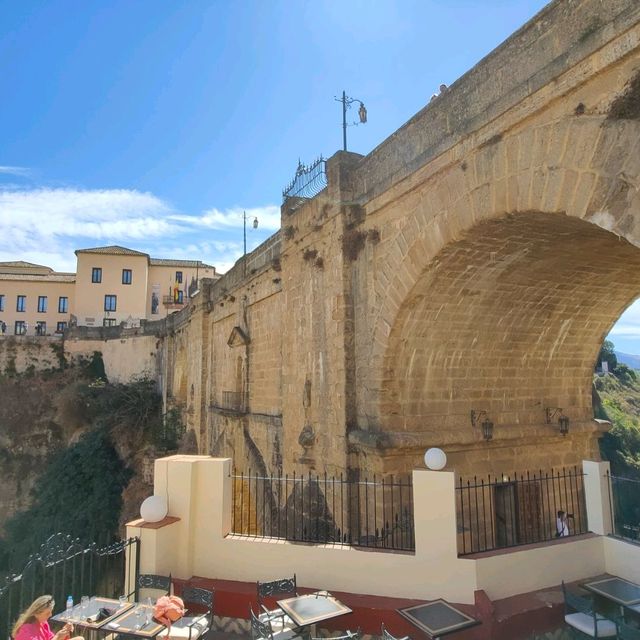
[
  {"x": 154, "y": 509},
  {"x": 435, "y": 459}
]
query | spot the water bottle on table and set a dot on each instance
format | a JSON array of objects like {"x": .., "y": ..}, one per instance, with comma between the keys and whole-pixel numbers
[{"x": 69, "y": 607}]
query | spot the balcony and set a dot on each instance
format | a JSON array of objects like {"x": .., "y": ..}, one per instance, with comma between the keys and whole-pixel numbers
[
  {"x": 170, "y": 302},
  {"x": 234, "y": 401}
]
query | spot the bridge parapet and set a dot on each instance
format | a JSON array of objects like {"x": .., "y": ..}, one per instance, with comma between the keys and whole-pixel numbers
[{"x": 555, "y": 40}]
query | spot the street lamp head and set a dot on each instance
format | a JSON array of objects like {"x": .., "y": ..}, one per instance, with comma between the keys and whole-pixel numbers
[
  {"x": 362, "y": 113},
  {"x": 255, "y": 223}
]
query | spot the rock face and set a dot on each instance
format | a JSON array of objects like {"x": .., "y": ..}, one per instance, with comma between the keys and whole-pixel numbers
[
  {"x": 42, "y": 414},
  {"x": 38, "y": 416}
]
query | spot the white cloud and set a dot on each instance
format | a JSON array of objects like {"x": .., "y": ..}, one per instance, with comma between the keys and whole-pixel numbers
[
  {"x": 23, "y": 172},
  {"x": 46, "y": 225},
  {"x": 268, "y": 218},
  {"x": 625, "y": 330}
]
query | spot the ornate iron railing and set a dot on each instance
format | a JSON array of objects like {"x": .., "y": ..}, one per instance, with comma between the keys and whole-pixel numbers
[
  {"x": 308, "y": 181},
  {"x": 508, "y": 511},
  {"x": 322, "y": 509},
  {"x": 624, "y": 496},
  {"x": 64, "y": 566},
  {"x": 234, "y": 401}
]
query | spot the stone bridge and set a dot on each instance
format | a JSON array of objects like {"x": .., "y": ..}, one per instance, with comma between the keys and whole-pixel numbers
[{"x": 475, "y": 260}]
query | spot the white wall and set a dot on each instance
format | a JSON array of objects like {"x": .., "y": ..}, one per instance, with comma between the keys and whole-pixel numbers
[{"x": 198, "y": 489}]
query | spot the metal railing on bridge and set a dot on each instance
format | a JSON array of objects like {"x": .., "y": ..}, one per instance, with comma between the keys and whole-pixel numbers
[
  {"x": 308, "y": 182},
  {"x": 64, "y": 566},
  {"x": 321, "y": 509}
]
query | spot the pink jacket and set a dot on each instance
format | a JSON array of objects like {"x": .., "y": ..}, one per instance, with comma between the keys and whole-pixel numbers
[{"x": 168, "y": 609}]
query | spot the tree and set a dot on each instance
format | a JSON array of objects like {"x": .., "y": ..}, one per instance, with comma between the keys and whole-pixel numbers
[
  {"x": 79, "y": 493},
  {"x": 607, "y": 354}
]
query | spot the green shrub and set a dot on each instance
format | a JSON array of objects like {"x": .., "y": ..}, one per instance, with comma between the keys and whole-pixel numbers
[
  {"x": 169, "y": 431},
  {"x": 79, "y": 493}
]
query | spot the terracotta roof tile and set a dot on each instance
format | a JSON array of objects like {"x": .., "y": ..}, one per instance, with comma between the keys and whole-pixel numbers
[
  {"x": 113, "y": 250},
  {"x": 36, "y": 277},
  {"x": 23, "y": 265},
  {"x": 162, "y": 262}
]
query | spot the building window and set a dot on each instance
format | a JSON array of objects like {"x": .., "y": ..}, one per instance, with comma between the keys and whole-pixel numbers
[
  {"x": 126, "y": 276},
  {"x": 63, "y": 304},
  {"x": 42, "y": 304},
  {"x": 60, "y": 327},
  {"x": 41, "y": 328},
  {"x": 179, "y": 277},
  {"x": 21, "y": 327},
  {"x": 110, "y": 302},
  {"x": 109, "y": 322},
  {"x": 21, "y": 304},
  {"x": 179, "y": 297},
  {"x": 1, "y": 303},
  {"x": 96, "y": 274}
]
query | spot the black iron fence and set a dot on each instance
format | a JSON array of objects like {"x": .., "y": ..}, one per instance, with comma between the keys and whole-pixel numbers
[
  {"x": 64, "y": 566},
  {"x": 624, "y": 496},
  {"x": 321, "y": 509},
  {"x": 308, "y": 181},
  {"x": 508, "y": 511}
]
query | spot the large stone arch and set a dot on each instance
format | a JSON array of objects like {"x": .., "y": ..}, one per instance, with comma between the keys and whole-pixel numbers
[{"x": 538, "y": 219}]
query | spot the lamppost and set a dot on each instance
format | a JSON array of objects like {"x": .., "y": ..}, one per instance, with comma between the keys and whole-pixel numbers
[
  {"x": 244, "y": 235},
  {"x": 346, "y": 104}
]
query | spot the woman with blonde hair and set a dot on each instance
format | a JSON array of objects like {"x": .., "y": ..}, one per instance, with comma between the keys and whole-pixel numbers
[{"x": 32, "y": 623}]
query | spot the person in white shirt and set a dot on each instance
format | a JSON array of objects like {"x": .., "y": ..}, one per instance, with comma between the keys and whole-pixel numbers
[{"x": 562, "y": 525}]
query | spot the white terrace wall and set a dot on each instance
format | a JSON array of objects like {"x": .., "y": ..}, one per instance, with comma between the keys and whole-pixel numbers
[{"x": 198, "y": 489}]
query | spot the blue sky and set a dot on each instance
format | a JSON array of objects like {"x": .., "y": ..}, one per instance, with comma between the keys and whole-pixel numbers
[{"x": 153, "y": 124}]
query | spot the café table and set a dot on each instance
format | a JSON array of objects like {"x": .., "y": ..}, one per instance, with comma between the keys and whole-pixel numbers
[
  {"x": 438, "y": 618},
  {"x": 132, "y": 623},
  {"x": 617, "y": 590},
  {"x": 128, "y": 619},
  {"x": 85, "y": 618},
  {"x": 312, "y": 608}
]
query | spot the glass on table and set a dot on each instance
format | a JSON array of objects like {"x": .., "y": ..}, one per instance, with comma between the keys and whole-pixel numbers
[
  {"x": 139, "y": 615},
  {"x": 148, "y": 611},
  {"x": 84, "y": 605},
  {"x": 123, "y": 600}
]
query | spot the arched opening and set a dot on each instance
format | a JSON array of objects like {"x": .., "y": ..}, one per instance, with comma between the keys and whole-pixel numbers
[
  {"x": 616, "y": 399},
  {"x": 508, "y": 321}
]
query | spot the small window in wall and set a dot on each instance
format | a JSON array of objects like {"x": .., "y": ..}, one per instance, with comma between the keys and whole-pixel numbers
[
  {"x": 21, "y": 304},
  {"x": 60, "y": 327},
  {"x": 42, "y": 304},
  {"x": 110, "y": 302},
  {"x": 41, "y": 328},
  {"x": 179, "y": 297},
  {"x": 179, "y": 277},
  {"x": 109, "y": 322},
  {"x": 126, "y": 276},
  {"x": 20, "y": 327},
  {"x": 96, "y": 274},
  {"x": 1, "y": 302},
  {"x": 63, "y": 304}
]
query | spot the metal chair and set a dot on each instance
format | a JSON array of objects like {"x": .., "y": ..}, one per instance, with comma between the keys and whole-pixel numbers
[
  {"x": 262, "y": 630},
  {"x": 387, "y": 636},
  {"x": 285, "y": 587},
  {"x": 155, "y": 582},
  {"x": 582, "y": 617},
  {"x": 625, "y": 632},
  {"x": 193, "y": 627}
]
